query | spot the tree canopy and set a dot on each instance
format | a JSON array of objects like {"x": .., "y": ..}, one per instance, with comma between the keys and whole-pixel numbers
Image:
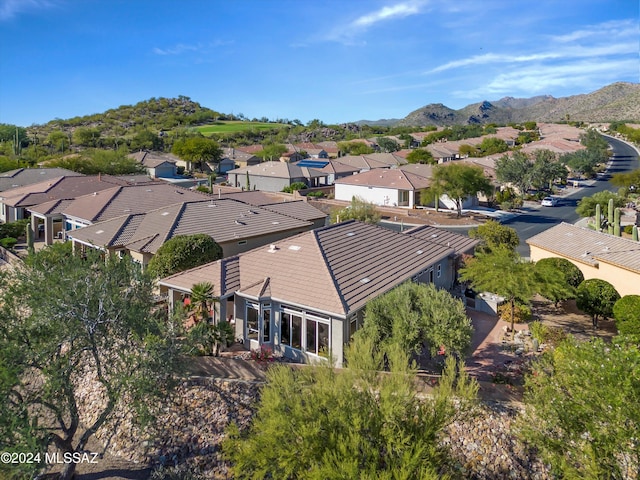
[
  {"x": 68, "y": 318},
  {"x": 420, "y": 155},
  {"x": 459, "y": 181},
  {"x": 626, "y": 311},
  {"x": 359, "y": 209},
  {"x": 503, "y": 272},
  {"x": 582, "y": 408},
  {"x": 197, "y": 150},
  {"x": 493, "y": 235},
  {"x": 587, "y": 205},
  {"x": 183, "y": 252},
  {"x": 352, "y": 422},
  {"x": 414, "y": 314},
  {"x": 596, "y": 298}
]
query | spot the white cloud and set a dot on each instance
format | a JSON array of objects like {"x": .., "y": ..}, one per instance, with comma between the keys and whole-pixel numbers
[
  {"x": 181, "y": 48},
  {"x": 399, "y": 10},
  {"x": 603, "y": 31},
  {"x": 176, "y": 49},
  {"x": 540, "y": 78},
  {"x": 345, "y": 33},
  {"x": 11, "y": 8}
]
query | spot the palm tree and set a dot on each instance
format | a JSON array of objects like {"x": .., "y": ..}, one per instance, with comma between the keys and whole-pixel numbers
[{"x": 202, "y": 295}]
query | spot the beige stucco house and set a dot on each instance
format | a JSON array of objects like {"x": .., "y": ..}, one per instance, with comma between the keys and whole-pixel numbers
[{"x": 596, "y": 254}]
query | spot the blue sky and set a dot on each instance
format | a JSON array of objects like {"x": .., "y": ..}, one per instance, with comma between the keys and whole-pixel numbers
[{"x": 335, "y": 60}]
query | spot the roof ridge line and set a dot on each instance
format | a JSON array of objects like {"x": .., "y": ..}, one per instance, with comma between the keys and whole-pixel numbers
[{"x": 343, "y": 302}]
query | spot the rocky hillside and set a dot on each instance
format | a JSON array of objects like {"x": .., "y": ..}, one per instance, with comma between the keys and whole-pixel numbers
[{"x": 618, "y": 101}]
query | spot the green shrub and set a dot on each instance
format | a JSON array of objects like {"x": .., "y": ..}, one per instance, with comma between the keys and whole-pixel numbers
[
  {"x": 628, "y": 229},
  {"x": 521, "y": 314},
  {"x": 572, "y": 274},
  {"x": 626, "y": 312},
  {"x": 316, "y": 194},
  {"x": 8, "y": 242}
]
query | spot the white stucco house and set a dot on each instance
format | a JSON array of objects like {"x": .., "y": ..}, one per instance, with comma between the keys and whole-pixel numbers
[{"x": 384, "y": 187}]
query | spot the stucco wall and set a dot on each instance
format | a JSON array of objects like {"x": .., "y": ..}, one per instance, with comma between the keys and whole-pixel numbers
[
  {"x": 377, "y": 195},
  {"x": 624, "y": 281}
]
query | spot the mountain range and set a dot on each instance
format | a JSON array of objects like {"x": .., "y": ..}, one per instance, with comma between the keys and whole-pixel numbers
[{"x": 616, "y": 102}]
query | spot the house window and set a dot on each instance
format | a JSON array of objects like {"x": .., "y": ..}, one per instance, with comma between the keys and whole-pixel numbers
[
  {"x": 291, "y": 329},
  {"x": 439, "y": 270},
  {"x": 242, "y": 242},
  {"x": 431, "y": 275},
  {"x": 252, "y": 322},
  {"x": 266, "y": 325},
  {"x": 403, "y": 197},
  {"x": 317, "y": 337}
]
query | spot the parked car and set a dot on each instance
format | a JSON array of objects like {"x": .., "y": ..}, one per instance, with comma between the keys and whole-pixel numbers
[{"x": 549, "y": 202}]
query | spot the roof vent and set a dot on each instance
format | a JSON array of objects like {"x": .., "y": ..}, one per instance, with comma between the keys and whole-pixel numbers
[
  {"x": 419, "y": 252},
  {"x": 164, "y": 214},
  {"x": 275, "y": 223},
  {"x": 238, "y": 222},
  {"x": 272, "y": 248},
  {"x": 212, "y": 205},
  {"x": 586, "y": 254},
  {"x": 365, "y": 280},
  {"x": 350, "y": 234},
  {"x": 295, "y": 248},
  {"x": 99, "y": 232}
]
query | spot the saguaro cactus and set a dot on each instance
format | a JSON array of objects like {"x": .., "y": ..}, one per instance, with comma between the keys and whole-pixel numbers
[
  {"x": 29, "y": 235},
  {"x": 598, "y": 218},
  {"x": 610, "y": 217},
  {"x": 634, "y": 233},
  {"x": 616, "y": 223}
]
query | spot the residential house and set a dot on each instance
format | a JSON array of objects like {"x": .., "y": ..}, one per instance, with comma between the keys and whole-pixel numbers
[
  {"x": 330, "y": 147},
  {"x": 157, "y": 164},
  {"x": 596, "y": 254},
  {"x": 28, "y": 176},
  {"x": 274, "y": 176},
  {"x": 236, "y": 158},
  {"x": 335, "y": 169},
  {"x": 15, "y": 202},
  {"x": 234, "y": 225},
  {"x": 384, "y": 187},
  {"x": 305, "y": 296},
  {"x": 58, "y": 217}
]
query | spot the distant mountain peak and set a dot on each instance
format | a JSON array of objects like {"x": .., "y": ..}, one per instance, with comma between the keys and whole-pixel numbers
[{"x": 619, "y": 101}]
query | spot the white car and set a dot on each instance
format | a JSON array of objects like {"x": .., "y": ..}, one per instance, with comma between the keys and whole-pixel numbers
[{"x": 549, "y": 202}]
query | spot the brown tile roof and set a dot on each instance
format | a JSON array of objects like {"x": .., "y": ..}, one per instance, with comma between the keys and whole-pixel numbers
[
  {"x": 28, "y": 176},
  {"x": 224, "y": 220},
  {"x": 298, "y": 209},
  {"x": 252, "y": 149},
  {"x": 362, "y": 162},
  {"x": 153, "y": 159},
  {"x": 459, "y": 243},
  {"x": 58, "y": 188},
  {"x": 124, "y": 200},
  {"x": 391, "y": 178},
  {"x": 279, "y": 170},
  {"x": 351, "y": 264},
  {"x": 587, "y": 246}
]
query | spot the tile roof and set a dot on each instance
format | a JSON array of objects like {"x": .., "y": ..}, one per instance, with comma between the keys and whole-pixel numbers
[
  {"x": 153, "y": 159},
  {"x": 588, "y": 246},
  {"x": 58, "y": 188},
  {"x": 224, "y": 220},
  {"x": 390, "y": 178},
  {"x": 459, "y": 243},
  {"x": 297, "y": 209},
  {"x": 279, "y": 170},
  {"x": 27, "y": 176},
  {"x": 362, "y": 162},
  {"x": 351, "y": 264},
  {"x": 130, "y": 199}
]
